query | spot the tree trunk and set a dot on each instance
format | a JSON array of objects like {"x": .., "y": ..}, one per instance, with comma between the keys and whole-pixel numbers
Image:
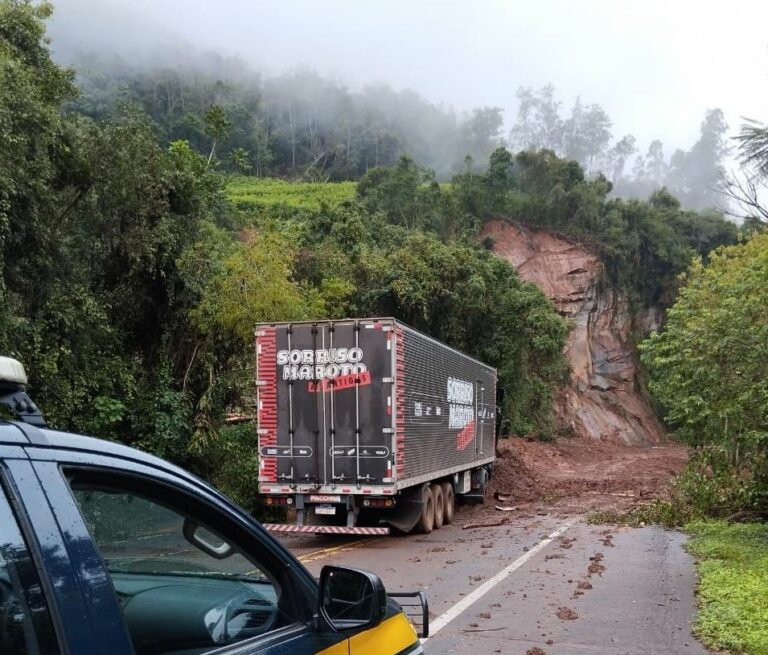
[
  {"x": 213, "y": 149},
  {"x": 292, "y": 120}
]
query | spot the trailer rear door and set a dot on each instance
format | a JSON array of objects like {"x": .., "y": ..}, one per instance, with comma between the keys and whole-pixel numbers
[{"x": 333, "y": 388}]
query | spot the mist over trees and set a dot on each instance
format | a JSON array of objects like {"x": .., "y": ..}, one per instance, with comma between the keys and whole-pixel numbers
[
  {"x": 584, "y": 135},
  {"x": 295, "y": 125},
  {"x": 301, "y": 125}
]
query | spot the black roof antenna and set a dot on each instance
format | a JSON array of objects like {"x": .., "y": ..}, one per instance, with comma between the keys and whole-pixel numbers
[{"x": 13, "y": 393}]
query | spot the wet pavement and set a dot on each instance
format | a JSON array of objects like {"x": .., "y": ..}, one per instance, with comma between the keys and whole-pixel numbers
[{"x": 523, "y": 585}]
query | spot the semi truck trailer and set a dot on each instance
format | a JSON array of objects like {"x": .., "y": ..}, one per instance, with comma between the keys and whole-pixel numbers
[{"x": 367, "y": 425}]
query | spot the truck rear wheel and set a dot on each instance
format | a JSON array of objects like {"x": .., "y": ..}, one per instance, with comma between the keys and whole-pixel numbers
[
  {"x": 449, "y": 503},
  {"x": 437, "y": 495},
  {"x": 427, "y": 518}
]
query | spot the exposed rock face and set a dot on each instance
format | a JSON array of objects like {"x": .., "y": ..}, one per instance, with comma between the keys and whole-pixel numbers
[{"x": 603, "y": 399}]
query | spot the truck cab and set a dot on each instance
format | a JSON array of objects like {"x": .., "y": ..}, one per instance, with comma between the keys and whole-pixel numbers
[{"x": 105, "y": 549}]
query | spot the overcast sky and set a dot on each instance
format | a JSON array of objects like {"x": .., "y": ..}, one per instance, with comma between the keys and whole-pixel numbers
[{"x": 654, "y": 65}]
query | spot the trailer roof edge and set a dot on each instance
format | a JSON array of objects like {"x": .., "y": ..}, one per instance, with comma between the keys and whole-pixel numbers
[{"x": 381, "y": 319}]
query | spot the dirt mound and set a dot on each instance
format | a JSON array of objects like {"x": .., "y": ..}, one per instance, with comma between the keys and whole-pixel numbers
[
  {"x": 603, "y": 400},
  {"x": 574, "y": 476},
  {"x": 513, "y": 477}
]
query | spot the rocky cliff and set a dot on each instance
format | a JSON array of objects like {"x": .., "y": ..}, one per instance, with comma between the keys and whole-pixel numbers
[{"x": 603, "y": 399}]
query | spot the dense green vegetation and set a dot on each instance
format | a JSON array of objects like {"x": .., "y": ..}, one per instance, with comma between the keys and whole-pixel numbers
[
  {"x": 733, "y": 585},
  {"x": 249, "y": 193},
  {"x": 133, "y": 268},
  {"x": 645, "y": 244},
  {"x": 708, "y": 370}
]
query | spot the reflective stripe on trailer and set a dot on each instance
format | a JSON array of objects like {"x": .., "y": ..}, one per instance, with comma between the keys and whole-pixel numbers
[{"x": 323, "y": 529}]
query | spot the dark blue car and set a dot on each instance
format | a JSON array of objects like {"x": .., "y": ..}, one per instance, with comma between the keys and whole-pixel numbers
[{"x": 107, "y": 550}]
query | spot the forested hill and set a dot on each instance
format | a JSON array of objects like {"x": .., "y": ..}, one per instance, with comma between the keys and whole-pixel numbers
[
  {"x": 130, "y": 283},
  {"x": 303, "y": 126}
]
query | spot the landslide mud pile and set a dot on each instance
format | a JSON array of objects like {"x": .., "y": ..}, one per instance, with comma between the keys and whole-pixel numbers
[
  {"x": 602, "y": 400},
  {"x": 573, "y": 476}
]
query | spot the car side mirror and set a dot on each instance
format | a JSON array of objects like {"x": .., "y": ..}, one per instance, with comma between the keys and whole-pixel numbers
[{"x": 351, "y": 599}]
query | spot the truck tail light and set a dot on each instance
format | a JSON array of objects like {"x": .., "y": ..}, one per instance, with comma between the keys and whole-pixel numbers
[
  {"x": 279, "y": 500},
  {"x": 378, "y": 502}
]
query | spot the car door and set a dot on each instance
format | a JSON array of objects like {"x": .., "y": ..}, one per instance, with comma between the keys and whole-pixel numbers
[
  {"x": 26, "y": 622},
  {"x": 188, "y": 572},
  {"x": 65, "y": 596}
]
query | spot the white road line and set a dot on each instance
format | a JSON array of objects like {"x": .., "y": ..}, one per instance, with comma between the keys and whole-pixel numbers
[{"x": 449, "y": 615}]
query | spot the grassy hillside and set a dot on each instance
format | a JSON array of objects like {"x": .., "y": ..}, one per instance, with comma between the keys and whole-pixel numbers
[{"x": 248, "y": 192}]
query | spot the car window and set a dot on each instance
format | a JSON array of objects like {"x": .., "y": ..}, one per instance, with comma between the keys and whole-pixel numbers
[
  {"x": 181, "y": 586},
  {"x": 25, "y": 623}
]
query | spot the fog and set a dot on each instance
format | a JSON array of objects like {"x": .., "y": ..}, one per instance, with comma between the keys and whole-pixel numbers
[{"x": 655, "y": 66}]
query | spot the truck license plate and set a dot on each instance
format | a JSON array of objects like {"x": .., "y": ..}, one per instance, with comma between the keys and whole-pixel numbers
[{"x": 325, "y": 509}]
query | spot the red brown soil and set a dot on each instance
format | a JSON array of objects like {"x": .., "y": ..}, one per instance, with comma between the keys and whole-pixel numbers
[
  {"x": 566, "y": 614},
  {"x": 574, "y": 476},
  {"x": 603, "y": 399}
]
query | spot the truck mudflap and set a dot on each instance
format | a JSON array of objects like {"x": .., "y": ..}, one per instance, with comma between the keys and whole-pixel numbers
[{"x": 324, "y": 529}]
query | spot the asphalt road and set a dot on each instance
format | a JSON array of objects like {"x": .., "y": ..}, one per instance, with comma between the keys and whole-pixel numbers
[{"x": 547, "y": 582}]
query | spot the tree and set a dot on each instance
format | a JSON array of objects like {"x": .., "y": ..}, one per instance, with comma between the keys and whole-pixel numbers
[
  {"x": 618, "y": 155},
  {"x": 753, "y": 146},
  {"x": 499, "y": 180},
  {"x": 481, "y": 132},
  {"x": 217, "y": 127},
  {"x": 695, "y": 176},
  {"x": 655, "y": 165},
  {"x": 40, "y": 175},
  {"x": 586, "y": 134},
  {"x": 708, "y": 366},
  {"x": 253, "y": 282},
  {"x": 746, "y": 188},
  {"x": 538, "y": 123},
  {"x": 406, "y": 193},
  {"x": 744, "y": 192}
]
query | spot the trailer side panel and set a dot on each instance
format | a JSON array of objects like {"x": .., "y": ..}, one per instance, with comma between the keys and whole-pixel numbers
[{"x": 446, "y": 407}]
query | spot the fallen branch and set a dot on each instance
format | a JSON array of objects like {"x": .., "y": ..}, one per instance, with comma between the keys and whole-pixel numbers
[
  {"x": 612, "y": 493},
  {"x": 486, "y": 524}
]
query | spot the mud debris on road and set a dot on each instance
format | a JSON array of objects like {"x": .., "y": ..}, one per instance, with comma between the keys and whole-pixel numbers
[
  {"x": 566, "y": 614},
  {"x": 596, "y": 567},
  {"x": 572, "y": 477}
]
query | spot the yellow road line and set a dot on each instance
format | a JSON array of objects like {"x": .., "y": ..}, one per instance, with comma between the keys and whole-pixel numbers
[{"x": 320, "y": 554}]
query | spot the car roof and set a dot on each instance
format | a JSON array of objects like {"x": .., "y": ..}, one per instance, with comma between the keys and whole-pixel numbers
[{"x": 16, "y": 433}]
